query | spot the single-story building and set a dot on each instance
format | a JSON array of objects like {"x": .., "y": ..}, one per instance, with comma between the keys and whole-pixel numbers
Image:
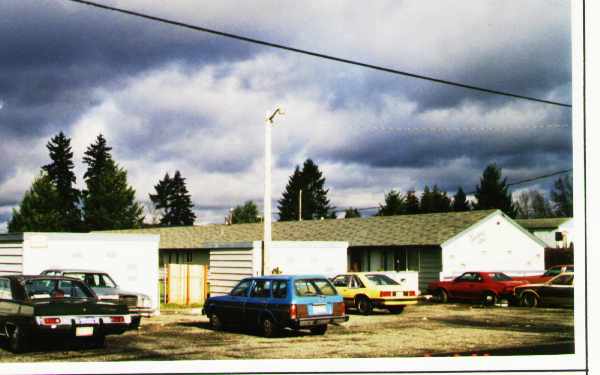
[
  {"x": 131, "y": 260},
  {"x": 546, "y": 229},
  {"x": 436, "y": 245}
]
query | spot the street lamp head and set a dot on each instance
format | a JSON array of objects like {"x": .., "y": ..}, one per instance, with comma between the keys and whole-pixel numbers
[{"x": 271, "y": 116}]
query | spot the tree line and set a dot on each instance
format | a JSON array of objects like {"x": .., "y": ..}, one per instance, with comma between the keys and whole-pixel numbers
[
  {"x": 53, "y": 204},
  {"x": 108, "y": 202}
]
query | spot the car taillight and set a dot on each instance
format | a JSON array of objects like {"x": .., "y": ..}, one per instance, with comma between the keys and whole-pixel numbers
[
  {"x": 117, "y": 319},
  {"x": 339, "y": 308},
  {"x": 410, "y": 293},
  {"x": 51, "y": 321},
  {"x": 293, "y": 311},
  {"x": 385, "y": 294}
]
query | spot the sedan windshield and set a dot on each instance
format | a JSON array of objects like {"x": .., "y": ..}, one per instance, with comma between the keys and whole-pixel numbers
[
  {"x": 93, "y": 280},
  {"x": 379, "y": 279},
  {"x": 313, "y": 287},
  {"x": 56, "y": 288}
]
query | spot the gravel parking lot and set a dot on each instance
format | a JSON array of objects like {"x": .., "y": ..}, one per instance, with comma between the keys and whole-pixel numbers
[{"x": 424, "y": 330}]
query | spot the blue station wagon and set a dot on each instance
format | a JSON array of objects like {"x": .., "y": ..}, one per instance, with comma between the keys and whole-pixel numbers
[{"x": 271, "y": 303}]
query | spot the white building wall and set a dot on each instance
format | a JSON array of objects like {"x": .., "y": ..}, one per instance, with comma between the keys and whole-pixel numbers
[
  {"x": 494, "y": 244},
  {"x": 131, "y": 260},
  {"x": 308, "y": 257}
]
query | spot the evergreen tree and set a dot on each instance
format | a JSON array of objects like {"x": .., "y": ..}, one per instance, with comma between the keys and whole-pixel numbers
[
  {"x": 460, "y": 202},
  {"x": 351, "y": 213},
  {"x": 492, "y": 192},
  {"x": 412, "y": 203},
  {"x": 394, "y": 204},
  {"x": 315, "y": 204},
  {"x": 61, "y": 175},
  {"x": 426, "y": 200},
  {"x": 161, "y": 199},
  {"x": 562, "y": 196},
  {"x": 248, "y": 213},
  {"x": 37, "y": 211},
  {"x": 540, "y": 205},
  {"x": 440, "y": 200},
  {"x": 173, "y": 201},
  {"x": 108, "y": 201}
]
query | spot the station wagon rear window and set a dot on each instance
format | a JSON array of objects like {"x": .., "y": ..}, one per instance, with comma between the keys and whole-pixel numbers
[
  {"x": 313, "y": 287},
  {"x": 95, "y": 280}
]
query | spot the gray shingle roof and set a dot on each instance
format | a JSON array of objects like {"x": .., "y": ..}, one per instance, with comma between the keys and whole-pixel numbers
[{"x": 424, "y": 229}]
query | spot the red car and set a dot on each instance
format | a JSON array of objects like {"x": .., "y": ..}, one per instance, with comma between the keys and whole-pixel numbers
[
  {"x": 486, "y": 287},
  {"x": 550, "y": 273}
]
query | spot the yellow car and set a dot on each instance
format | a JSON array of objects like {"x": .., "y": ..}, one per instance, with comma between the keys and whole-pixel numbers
[{"x": 365, "y": 290}]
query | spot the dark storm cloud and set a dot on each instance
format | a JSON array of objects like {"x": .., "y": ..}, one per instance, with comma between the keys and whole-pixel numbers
[{"x": 52, "y": 58}]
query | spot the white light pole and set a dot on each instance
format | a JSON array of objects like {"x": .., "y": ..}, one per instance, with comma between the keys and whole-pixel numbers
[{"x": 267, "y": 199}]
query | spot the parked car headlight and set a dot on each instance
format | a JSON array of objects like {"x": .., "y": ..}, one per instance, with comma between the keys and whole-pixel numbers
[{"x": 144, "y": 300}]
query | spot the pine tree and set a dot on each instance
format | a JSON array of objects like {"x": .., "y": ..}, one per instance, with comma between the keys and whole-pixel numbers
[
  {"x": 61, "y": 175},
  {"x": 440, "y": 200},
  {"x": 161, "y": 199},
  {"x": 37, "y": 211},
  {"x": 394, "y": 204},
  {"x": 351, "y": 213},
  {"x": 180, "y": 203},
  {"x": 108, "y": 201},
  {"x": 315, "y": 204},
  {"x": 492, "y": 192},
  {"x": 247, "y": 213},
  {"x": 460, "y": 202},
  {"x": 173, "y": 201},
  {"x": 412, "y": 203},
  {"x": 562, "y": 196},
  {"x": 426, "y": 200}
]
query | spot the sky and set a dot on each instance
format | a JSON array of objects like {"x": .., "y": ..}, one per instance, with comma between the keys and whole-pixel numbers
[{"x": 168, "y": 98}]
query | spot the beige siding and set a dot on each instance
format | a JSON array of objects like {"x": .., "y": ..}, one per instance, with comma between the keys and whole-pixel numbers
[
  {"x": 227, "y": 268},
  {"x": 11, "y": 258}
]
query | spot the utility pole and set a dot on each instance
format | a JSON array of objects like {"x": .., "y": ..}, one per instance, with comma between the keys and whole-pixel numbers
[
  {"x": 300, "y": 205},
  {"x": 267, "y": 198}
]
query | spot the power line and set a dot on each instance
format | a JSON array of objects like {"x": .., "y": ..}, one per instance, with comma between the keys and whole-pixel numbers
[{"x": 316, "y": 54}]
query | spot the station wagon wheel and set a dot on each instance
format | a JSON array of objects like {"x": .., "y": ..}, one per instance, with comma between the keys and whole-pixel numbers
[
  {"x": 269, "y": 328},
  {"x": 489, "y": 298},
  {"x": 319, "y": 330},
  {"x": 440, "y": 295},
  {"x": 18, "y": 340},
  {"x": 215, "y": 322},
  {"x": 529, "y": 299},
  {"x": 363, "y": 305}
]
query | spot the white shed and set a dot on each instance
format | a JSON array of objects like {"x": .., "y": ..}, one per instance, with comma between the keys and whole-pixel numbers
[
  {"x": 231, "y": 262},
  {"x": 130, "y": 259},
  {"x": 495, "y": 243}
]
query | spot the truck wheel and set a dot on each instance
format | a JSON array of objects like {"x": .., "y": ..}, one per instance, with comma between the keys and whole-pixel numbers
[
  {"x": 396, "y": 309},
  {"x": 18, "y": 340},
  {"x": 319, "y": 330},
  {"x": 440, "y": 295},
  {"x": 269, "y": 328},
  {"x": 215, "y": 322},
  {"x": 489, "y": 298},
  {"x": 363, "y": 305},
  {"x": 529, "y": 299}
]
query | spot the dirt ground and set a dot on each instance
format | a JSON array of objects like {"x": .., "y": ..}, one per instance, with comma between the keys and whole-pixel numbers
[{"x": 423, "y": 330}]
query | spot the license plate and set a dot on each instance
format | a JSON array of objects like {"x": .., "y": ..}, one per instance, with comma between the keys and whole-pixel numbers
[
  {"x": 319, "y": 309},
  {"x": 86, "y": 321},
  {"x": 84, "y": 331}
]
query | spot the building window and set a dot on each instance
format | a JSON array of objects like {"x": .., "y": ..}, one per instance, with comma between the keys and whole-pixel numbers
[{"x": 406, "y": 260}]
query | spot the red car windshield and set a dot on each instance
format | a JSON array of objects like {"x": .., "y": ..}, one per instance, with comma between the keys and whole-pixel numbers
[{"x": 499, "y": 276}]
